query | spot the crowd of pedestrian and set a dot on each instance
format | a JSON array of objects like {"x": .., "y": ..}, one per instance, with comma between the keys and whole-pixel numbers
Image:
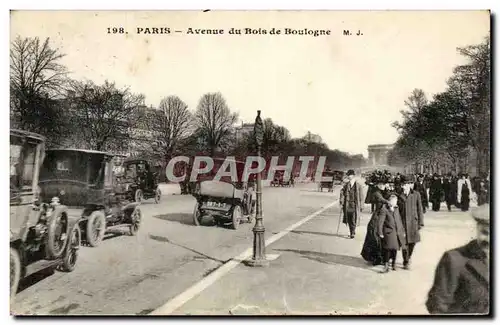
[{"x": 398, "y": 205}]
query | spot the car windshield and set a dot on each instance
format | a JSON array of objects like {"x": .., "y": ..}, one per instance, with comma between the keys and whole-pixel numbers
[{"x": 22, "y": 164}]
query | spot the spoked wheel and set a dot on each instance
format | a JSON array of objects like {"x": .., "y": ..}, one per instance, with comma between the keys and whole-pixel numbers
[
  {"x": 236, "y": 217},
  {"x": 57, "y": 235},
  {"x": 15, "y": 271},
  {"x": 197, "y": 216},
  {"x": 138, "y": 196},
  {"x": 158, "y": 196},
  {"x": 136, "y": 221},
  {"x": 96, "y": 228},
  {"x": 71, "y": 254}
]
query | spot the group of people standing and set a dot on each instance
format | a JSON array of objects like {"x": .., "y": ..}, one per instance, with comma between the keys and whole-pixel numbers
[
  {"x": 455, "y": 191},
  {"x": 397, "y": 216}
]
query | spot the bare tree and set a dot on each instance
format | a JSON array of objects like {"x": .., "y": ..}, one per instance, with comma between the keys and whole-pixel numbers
[
  {"x": 36, "y": 81},
  {"x": 214, "y": 120},
  {"x": 171, "y": 124},
  {"x": 106, "y": 117}
]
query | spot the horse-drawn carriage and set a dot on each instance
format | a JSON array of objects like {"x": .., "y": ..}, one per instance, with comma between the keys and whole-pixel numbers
[
  {"x": 227, "y": 200},
  {"x": 43, "y": 234}
]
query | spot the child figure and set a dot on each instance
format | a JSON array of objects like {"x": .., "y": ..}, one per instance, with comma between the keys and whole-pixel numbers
[{"x": 390, "y": 229}]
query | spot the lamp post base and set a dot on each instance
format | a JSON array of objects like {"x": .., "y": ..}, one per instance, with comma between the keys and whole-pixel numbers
[
  {"x": 257, "y": 263},
  {"x": 259, "y": 246}
]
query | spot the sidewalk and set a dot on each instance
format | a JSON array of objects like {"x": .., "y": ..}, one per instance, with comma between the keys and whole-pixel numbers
[{"x": 318, "y": 272}]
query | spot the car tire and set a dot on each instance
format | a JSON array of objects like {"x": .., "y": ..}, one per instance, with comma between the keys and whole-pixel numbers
[
  {"x": 136, "y": 218},
  {"x": 197, "y": 217},
  {"x": 15, "y": 271},
  {"x": 157, "y": 196},
  {"x": 138, "y": 196},
  {"x": 57, "y": 234},
  {"x": 236, "y": 218},
  {"x": 73, "y": 246},
  {"x": 96, "y": 228}
]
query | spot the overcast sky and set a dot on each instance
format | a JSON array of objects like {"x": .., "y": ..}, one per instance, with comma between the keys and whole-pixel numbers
[{"x": 347, "y": 89}]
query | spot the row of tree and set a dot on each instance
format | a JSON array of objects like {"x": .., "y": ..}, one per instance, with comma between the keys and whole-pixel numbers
[
  {"x": 450, "y": 132},
  {"x": 44, "y": 99}
]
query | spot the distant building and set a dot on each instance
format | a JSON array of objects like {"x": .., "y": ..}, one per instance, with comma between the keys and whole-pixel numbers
[
  {"x": 244, "y": 129},
  {"x": 378, "y": 154},
  {"x": 311, "y": 137}
]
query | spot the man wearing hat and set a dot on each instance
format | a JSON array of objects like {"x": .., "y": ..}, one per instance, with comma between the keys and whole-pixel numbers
[
  {"x": 461, "y": 282},
  {"x": 351, "y": 202},
  {"x": 412, "y": 216},
  {"x": 421, "y": 187}
]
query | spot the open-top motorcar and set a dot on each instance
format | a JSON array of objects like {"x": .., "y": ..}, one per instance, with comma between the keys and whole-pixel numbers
[
  {"x": 84, "y": 181},
  {"x": 141, "y": 180},
  {"x": 43, "y": 234},
  {"x": 227, "y": 201}
]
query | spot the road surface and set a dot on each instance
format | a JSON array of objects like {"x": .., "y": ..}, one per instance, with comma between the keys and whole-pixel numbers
[{"x": 128, "y": 275}]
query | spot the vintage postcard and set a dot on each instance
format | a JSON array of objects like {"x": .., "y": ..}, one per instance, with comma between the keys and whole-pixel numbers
[{"x": 250, "y": 162}]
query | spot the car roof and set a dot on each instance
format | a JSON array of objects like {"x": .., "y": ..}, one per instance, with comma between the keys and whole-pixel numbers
[
  {"x": 91, "y": 152},
  {"x": 31, "y": 135}
]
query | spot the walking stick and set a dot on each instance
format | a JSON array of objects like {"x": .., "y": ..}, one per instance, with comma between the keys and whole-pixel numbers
[{"x": 340, "y": 218}]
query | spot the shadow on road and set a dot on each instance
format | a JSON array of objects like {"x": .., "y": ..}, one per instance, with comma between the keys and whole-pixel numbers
[
  {"x": 166, "y": 240},
  {"x": 185, "y": 219},
  {"x": 303, "y": 232},
  {"x": 34, "y": 278},
  {"x": 328, "y": 258}
]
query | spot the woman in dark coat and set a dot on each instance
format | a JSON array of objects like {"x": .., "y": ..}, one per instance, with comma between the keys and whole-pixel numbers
[
  {"x": 372, "y": 249},
  {"x": 390, "y": 229}
]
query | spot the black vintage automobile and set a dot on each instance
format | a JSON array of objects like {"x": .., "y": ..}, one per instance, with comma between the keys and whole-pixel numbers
[
  {"x": 84, "y": 180},
  {"x": 327, "y": 184},
  {"x": 43, "y": 234},
  {"x": 226, "y": 201},
  {"x": 140, "y": 179}
]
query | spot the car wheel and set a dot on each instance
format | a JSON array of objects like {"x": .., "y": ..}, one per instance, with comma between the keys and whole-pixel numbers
[
  {"x": 138, "y": 196},
  {"x": 197, "y": 216},
  {"x": 71, "y": 254},
  {"x": 236, "y": 217},
  {"x": 136, "y": 221},
  {"x": 57, "y": 234},
  {"x": 15, "y": 271},
  {"x": 158, "y": 196},
  {"x": 96, "y": 228}
]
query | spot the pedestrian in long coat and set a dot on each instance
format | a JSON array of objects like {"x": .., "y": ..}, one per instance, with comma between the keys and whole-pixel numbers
[
  {"x": 390, "y": 229},
  {"x": 436, "y": 192},
  {"x": 372, "y": 247},
  {"x": 421, "y": 187},
  {"x": 351, "y": 201},
  {"x": 450, "y": 191},
  {"x": 412, "y": 216},
  {"x": 483, "y": 193},
  {"x": 464, "y": 188},
  {"x": 462, "y": 280}
]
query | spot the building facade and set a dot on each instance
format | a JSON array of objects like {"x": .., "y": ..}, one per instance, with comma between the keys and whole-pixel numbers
[{"x": 241, "y": 131}]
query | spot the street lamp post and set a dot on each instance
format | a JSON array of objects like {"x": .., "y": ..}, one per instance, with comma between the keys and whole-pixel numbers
[{"x": 259, "y": 246}]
